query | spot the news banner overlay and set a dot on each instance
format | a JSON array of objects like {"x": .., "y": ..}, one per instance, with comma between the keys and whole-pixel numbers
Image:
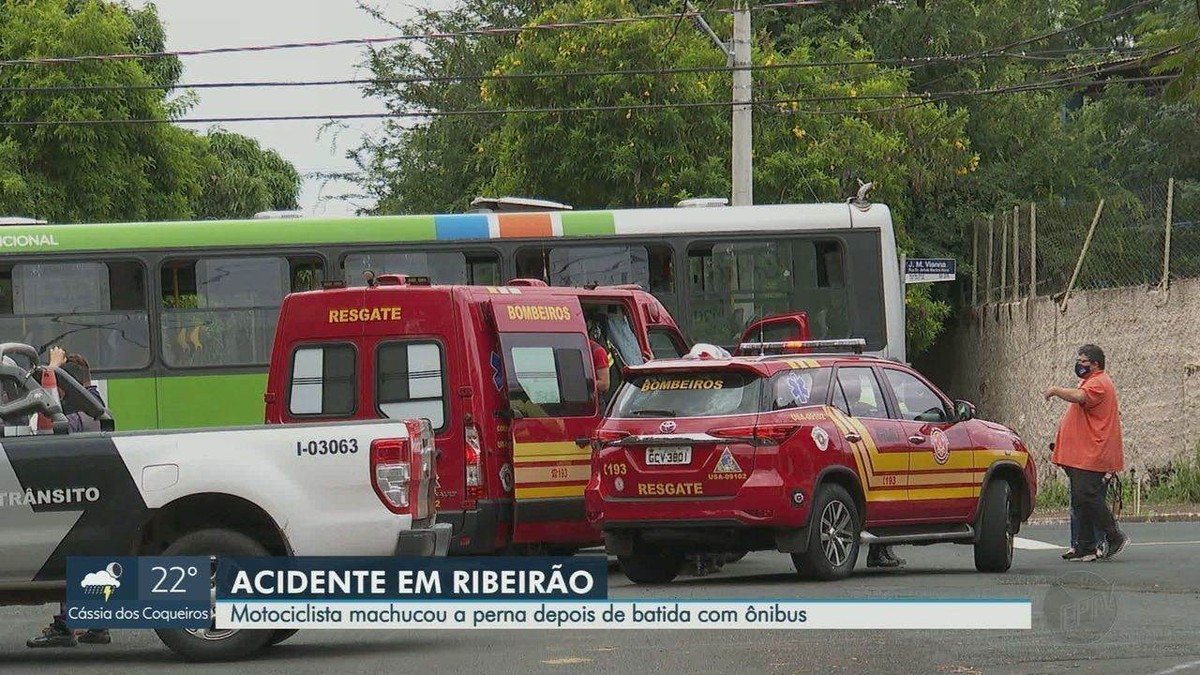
[
  {"x": 146, "y": 592},
  {"x": 536, "y": 594},
  {"x": 333, "y": 579}
]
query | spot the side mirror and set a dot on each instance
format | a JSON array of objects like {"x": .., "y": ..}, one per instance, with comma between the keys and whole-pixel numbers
[{"x": 964, "y": 410}]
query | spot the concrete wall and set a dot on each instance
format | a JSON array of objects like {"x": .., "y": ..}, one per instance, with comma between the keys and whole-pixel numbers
[{"x": 1002, "y": 356}]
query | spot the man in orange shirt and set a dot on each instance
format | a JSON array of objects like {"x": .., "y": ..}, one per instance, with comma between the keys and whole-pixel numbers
[{"x": 1089, "y": 448}]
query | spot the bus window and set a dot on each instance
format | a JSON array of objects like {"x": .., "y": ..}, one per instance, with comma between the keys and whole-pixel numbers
[
  {"x": 308, "y": 274},
  {"x": 97, "y": 309},
  {"x": 733, "y": 284},
  {"x": 221, "y": 311},
  {"x": 602, "y": 265},
  {"x": 531, "y": 263},
  {"x": 483, "y": 269},
  {"x": 442, "y": 267},
  {"x": 821, "y": 288}
]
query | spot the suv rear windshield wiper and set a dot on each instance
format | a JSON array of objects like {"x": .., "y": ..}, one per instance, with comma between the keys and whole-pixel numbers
[{"x": 651, "y": 412}]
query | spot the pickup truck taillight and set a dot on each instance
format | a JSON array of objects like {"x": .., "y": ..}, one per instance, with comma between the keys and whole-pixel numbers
[
  {"x": 403, "y": 471},
  {"x": 473, "y": 461},
  {"x": 391, "y": 471}
]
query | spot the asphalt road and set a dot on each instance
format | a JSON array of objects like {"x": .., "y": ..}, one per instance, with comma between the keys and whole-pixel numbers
[{"x": 1154, "y": 588}]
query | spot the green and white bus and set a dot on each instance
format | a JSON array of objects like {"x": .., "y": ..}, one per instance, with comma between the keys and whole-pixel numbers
[{"x": 177, "y": 318}]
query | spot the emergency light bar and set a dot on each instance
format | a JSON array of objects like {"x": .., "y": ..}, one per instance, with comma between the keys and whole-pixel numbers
[{"x": 857, "y": 345}]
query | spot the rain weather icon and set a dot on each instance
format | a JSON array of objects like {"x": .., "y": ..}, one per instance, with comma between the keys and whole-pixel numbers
[{"x": 103, "y": 581}]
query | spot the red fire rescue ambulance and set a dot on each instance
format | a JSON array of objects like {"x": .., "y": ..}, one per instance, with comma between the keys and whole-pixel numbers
[
  {"x": 506, "y": 376},
  {"x": 806, "y": 453}
]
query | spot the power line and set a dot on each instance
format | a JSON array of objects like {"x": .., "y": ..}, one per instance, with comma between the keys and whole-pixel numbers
[
  {"x": 918, "y": 99},
  {"x": 900, "y": 62},
  {"x": 508, "y": 30},
  {"x": 416, "y": 37}
]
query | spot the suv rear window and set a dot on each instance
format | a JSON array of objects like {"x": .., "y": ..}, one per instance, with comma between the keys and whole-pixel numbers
[{"x": 688, "y": 395}]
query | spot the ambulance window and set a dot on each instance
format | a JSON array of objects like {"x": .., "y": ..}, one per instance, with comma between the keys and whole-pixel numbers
[
  {"x": 663, "y": 344},
  {"x": 798, "y": 388},
  {"x": 323, "y": 381},
  {"x": 917, "y": 401},
  {"x": 410, "y": 382},
  {"x": 549, "y": 380},
  {"x": 860, "y": 393}
]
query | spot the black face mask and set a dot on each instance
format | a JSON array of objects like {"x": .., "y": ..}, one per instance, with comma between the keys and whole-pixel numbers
[{"x": 1082, "y": 370}]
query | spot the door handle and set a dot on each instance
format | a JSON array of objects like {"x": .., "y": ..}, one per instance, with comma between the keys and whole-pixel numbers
[
  {"x": 853, "y": 437},
  {"x": 583, "y": 442},
  {"x": 916, "y": 439}
]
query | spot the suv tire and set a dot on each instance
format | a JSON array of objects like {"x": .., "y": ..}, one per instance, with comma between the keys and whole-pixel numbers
[
  {"x": 652, "y": 567},
  {"x": 994, "y": 538},
  {"x": 833, "y": 536}
]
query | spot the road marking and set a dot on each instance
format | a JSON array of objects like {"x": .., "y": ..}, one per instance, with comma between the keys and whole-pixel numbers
[
  {"x": 1179, "y": 668},
  {"x": 1034, "y": 545},
  {"x": 568, "y": 661}
]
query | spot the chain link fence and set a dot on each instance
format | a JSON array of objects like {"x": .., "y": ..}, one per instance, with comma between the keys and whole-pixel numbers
[{"x": 1049, "y": 248}]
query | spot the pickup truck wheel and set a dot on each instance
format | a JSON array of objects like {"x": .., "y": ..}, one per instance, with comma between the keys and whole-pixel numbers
[
  {"x": 994, "y": 539},
  {"x": 833, "y": 536},
  {"x": 210, "y": 644},
  {"x": 651, "y": 567}
]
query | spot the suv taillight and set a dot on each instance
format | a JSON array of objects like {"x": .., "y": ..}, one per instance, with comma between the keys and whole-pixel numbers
[
  {"x": 769, "y": 434},
  {"x": 391, "y": 472},
  {"x": 473, "y": 460}
]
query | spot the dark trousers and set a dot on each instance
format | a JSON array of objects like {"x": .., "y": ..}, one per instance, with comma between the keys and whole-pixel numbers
[{"x": 1088, "y": 490}]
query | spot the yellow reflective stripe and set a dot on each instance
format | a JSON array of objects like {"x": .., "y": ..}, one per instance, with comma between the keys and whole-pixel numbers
[
  {"x": 924, "y": 461},
  {"x": 549, "y": 492},
  {"x": 541, "y": 452},
  {"x": 546, "y": 474},
  {"x": 943, "y": 493}
]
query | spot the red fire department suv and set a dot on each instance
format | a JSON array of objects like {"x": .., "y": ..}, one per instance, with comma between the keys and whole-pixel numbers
[
  {"x": 807, "y": 454},
  {"x": 506, "y": 376}
]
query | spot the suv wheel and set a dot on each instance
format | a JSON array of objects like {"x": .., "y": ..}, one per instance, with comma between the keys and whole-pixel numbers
[
  {"x": 833, "y": 536},
  {"x": 652, "y": 567},
  {"x": 994, "y": 539}
]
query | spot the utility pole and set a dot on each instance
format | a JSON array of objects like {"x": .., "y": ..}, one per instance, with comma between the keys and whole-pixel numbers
[
  {"x": 743, "y": 139},
  {"x": 737, "y": 57}
]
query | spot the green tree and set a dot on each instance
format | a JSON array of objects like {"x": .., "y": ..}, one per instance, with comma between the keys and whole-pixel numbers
[
  {"x": 112, "y": 172},
  {"x": 239, "y": 178},
  {"x": 433, "y": 165},
  {"x": 87, "y": 173}
]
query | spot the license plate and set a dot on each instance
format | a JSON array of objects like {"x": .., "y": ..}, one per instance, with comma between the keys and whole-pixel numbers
[{"x": 669, "y": 455}]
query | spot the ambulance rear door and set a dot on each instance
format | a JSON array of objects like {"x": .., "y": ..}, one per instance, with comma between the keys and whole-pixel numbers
[{"x": 551, "y": 383}]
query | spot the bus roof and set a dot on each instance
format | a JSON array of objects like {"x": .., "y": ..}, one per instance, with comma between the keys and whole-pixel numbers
[{"x": 208, "y": 234}]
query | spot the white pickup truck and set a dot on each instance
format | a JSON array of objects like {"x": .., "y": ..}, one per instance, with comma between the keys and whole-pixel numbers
[{"x": 302, "y": 489}]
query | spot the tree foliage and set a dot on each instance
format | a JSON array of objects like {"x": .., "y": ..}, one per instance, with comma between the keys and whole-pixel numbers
[
  {"x": 114, "y": 172},
  {"x": 989, "y": 139}
]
